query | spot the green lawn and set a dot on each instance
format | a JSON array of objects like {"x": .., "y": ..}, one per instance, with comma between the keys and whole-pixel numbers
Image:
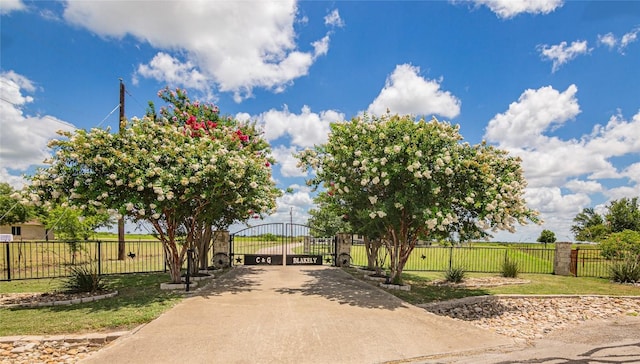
[
  {"x": 139, "y": 301},
  {"x": 473, "y": 259},
  {"x": 422, "y": 291}
]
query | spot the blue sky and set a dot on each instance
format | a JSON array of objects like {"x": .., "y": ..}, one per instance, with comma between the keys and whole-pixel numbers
[{"x": 554, "y": 82}]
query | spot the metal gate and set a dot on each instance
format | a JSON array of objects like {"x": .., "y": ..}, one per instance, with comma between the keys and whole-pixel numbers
[{"x": 282, "y": 244}]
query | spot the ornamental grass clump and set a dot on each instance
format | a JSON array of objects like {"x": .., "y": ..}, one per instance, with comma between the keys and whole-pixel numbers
[
  {"x": 626, "y": 271},
  {"x": 83, "y": 279},
  {"x": 510, "y": 268},
  {"x": 455, "y": 274}
]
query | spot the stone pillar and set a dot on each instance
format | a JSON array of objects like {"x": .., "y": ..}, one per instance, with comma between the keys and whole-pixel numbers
[
  {"x": 343, "y": 249},
  {"x": 221, "y": 253},
  {"x": 562, "y": 260}
]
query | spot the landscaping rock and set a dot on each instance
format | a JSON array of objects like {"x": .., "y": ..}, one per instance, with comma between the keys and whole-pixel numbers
[{"x": 534, "y": 317}]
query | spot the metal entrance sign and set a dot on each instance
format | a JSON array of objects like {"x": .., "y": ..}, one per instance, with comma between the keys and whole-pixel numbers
[
  {"x": 304, "y": 259},
  {"x": 262, "y": 259},
  {"x": 281, "y": 244},
  {"x": 270, "y": 259}
]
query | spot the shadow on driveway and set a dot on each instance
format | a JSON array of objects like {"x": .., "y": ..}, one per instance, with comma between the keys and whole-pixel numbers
[{"x": 335, "y": 285}]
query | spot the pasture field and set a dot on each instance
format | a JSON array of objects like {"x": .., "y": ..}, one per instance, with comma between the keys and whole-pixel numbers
[{"x": 472, "y": 259}]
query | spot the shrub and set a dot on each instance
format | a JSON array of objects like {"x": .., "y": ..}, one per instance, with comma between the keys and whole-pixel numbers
[
  {"x": 510, "y": 268},
  {"x": 620, "y": 244},
  {"x": 83, "y": 279},
  {"x": 455, "y": 274},
  {"x": 626, "y": 271}
]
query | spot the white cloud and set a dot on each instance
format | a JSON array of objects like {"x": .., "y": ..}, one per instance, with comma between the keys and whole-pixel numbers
[
  {"x": 305, "y": 129},
  {"x": 7, "y": 6},
  {"x": 581, "y": 165},
  {"x": 628, "y": 38},
  {"x": 333, "y": 19},
  {"x": 611, "y": 41},
  {"x": 236, "y": 45},
  {"x": 287, "y": 162},
  {"x": 534, "y": 112},
  {"x": 406, "y": 92},
  {"x": 587, "y": 187},
  {"x": 608, "y": 40},
  {"x": 633, "y": 172},
  {"x": 551, "y": 200},
  {"x": 166, "y": 68},
  {"x": 561, "y": 54},
  {"x": 291, "y": 206},
  {"x": 510, "y": 8},
  {"x": 24, "y": 138}
]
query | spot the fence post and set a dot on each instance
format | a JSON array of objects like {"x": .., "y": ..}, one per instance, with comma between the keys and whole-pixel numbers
[
  {"x": 8, "y": 262},
  {"x": 451, "y": 257},
  {"x": 562, "y": 261},
  {"x": 99, "y": 257}
]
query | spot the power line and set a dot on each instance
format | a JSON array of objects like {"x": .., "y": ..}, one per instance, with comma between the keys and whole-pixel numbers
[{"x": 106, "y": 117}]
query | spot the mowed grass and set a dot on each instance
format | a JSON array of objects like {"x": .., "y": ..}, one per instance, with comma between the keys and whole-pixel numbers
[
  {"x": 472, "y": 259},
  {"x": 139, "y": 301},
  {"x": 423, "y": 291}
]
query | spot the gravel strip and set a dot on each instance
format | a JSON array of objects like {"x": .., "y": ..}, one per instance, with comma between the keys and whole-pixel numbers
[
  {"x": 534, "y": 317},
  {"x": 52, "y": 349}
]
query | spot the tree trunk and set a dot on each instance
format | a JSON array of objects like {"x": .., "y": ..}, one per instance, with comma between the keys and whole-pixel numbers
[
  {"x": 203, "y": 247},
  {"x": 371, "y": 253},
  {"x": 174, "y": 261},
  {"x": 400, "y": 247},
  {"x": 393, "y": 246},
  {"x": 374, "y": 260}
]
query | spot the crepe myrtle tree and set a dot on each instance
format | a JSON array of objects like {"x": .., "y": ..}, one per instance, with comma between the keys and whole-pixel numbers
[
  {"x": 203, "y": 120},
  {"x": 418, "y": 180},
  {"x": 166, "y": 173}
]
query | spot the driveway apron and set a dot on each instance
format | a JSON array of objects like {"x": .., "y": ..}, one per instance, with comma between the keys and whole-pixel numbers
[{"x": 295, "y": 314}]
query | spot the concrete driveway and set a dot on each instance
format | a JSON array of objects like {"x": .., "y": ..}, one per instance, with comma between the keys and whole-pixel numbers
[{"x": 296, "y": 314}]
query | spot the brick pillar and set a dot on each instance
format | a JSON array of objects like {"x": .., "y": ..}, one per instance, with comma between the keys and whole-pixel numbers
[
  {"x": 221, "y": 246},
  {"x": 562, "y": 261},
  {"x": 343, "y": 249}
]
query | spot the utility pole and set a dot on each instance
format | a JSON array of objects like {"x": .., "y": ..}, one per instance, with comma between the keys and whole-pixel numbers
[{"x": 121, "y": 126}]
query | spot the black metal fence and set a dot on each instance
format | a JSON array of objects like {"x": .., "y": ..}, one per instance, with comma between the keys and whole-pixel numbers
[
  {"x": 472, "y": 259},
  {"x": 591, "y": 263},
  {"x": 51, "y": 259},
  {"x": 280, "y": 239}
]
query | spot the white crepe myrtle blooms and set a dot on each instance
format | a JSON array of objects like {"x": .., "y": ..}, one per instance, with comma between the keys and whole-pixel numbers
[
  {"x": 165, "y": 172},
  {"x": 420, "y": 182}
]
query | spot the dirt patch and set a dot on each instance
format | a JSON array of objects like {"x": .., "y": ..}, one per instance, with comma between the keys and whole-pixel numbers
[{"x": 482, "y": 282}]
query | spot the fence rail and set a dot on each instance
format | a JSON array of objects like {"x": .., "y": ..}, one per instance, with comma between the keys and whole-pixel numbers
[
  {"x": 589, "y": 263},
  {"x": 52, "y": 259},
  {"x": 472, "y": 259}
]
